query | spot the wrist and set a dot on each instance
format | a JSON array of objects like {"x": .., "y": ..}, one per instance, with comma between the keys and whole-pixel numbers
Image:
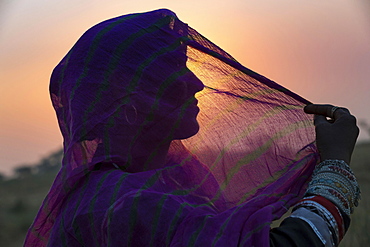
[{"x": 337, "y": 155}]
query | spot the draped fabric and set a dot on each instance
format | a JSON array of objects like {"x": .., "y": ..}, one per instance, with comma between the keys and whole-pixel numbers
[{"x": 122, "y": 95}]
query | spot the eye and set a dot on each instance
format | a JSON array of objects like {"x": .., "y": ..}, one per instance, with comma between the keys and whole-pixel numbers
[{"x": 176, "y": 92}]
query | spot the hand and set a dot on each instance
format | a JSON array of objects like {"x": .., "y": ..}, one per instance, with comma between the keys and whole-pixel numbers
[{"x": 335, "y": 138}]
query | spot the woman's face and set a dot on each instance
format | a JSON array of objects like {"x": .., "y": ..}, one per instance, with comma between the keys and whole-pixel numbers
[
  {"x": 171, "y": 88},
  {"x": 181, "y": 103}
]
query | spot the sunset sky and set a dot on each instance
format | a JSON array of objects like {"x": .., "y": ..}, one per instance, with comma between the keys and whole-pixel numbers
[{"x": 318, "y": 49}]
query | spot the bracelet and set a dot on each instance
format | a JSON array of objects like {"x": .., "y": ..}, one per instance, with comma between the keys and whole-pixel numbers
[
  {"x": 317, "y": 224},
  {"x": 334, "y": 180},
  {"x": 328, "y": 212}
]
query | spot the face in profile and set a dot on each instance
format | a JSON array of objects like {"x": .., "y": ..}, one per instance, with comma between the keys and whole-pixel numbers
[
  {"x": 184, "y": 104},
  {"x": 171, "y": 88}
]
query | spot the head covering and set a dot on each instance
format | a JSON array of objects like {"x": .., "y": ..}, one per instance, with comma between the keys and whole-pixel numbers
[{"x": 132, "y": 79}]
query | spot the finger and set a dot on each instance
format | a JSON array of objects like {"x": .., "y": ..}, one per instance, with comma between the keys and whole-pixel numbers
[
  {"x": 319, "y": 119},
  {"x": 341, "y": 111},
  {"x": 324, "y": 110}
]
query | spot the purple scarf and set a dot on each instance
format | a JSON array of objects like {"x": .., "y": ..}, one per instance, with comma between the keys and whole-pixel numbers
[{"x": 125, "y": 91}]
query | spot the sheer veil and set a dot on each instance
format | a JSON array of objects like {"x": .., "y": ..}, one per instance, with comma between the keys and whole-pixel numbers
[{"x": 250, "y": 160}]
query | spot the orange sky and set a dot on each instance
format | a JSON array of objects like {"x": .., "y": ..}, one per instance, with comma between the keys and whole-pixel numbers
[{"x": 318, "y": 49}]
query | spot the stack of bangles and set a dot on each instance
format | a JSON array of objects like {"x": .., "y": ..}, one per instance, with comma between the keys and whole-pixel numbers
[{"x": 332, "y": 195}]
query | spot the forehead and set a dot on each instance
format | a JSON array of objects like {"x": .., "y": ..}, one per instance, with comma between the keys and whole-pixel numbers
[{"x": 177, "y": 57}]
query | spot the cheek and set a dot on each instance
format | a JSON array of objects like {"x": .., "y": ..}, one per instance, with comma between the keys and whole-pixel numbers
[{"x": 175, "y": 94}]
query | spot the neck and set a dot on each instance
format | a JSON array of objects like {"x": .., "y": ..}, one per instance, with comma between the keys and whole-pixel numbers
[
  {"x": 148, "y": 155},
  {"x": 139, "y": 154}
]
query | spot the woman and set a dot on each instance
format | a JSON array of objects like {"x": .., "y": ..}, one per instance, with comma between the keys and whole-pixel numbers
[{"x": 147, "y": 164}]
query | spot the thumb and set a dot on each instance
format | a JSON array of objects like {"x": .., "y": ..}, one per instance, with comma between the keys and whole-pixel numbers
[{"x": 320, "y": 120}]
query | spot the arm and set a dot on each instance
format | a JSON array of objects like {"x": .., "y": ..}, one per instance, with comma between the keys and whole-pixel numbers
[{"x": 324, "y": 212}]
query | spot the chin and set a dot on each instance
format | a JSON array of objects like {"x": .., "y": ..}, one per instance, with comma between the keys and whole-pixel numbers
[{"x": 187, "y": 131}]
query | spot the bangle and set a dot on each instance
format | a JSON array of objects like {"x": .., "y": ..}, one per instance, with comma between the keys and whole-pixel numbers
[
  {"x": 328, "y": 212},
  {"x": 334, "y": 180}
]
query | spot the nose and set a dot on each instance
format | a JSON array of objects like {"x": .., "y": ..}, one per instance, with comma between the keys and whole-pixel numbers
[
  {"x": 199, "y": 84},
  {"x": 194, "y": 83}
]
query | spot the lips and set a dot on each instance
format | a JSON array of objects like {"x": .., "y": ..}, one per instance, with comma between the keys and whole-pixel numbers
[{"x": 194, "y": 105}]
